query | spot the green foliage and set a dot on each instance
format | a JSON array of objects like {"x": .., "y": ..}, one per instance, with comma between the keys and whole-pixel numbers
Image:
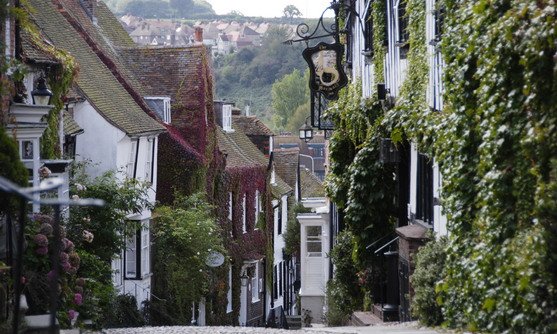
[
  {"x": 289, "y": 93},
  {"x": 248, "y": 75},
  {"x": 292, "y": 234},
  {"x": 109, "y": 224},
  {"x": 499, "y": 151},
  {"x": 343, "y": 290},
  {"x": 163, "y": 9},
  {"x": 291, "y": 12},
  {"x": 183, "y": 235},
  {"x": 124, "y": 313},
  {"x": 11, "y": 168},
  {"x": 430, "y": 270}
]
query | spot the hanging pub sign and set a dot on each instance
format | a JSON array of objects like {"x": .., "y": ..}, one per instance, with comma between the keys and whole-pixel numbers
[{"x": 325, "y": 69}]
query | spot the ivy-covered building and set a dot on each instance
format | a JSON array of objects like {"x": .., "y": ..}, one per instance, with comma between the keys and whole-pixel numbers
[{"x": 448, "y": 126}]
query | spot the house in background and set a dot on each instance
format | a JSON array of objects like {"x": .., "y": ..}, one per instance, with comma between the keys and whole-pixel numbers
[
  {"x": 119, "y": 131},
  {"x": 312, "y": 153},
  {"x": 248, "y": 217}
]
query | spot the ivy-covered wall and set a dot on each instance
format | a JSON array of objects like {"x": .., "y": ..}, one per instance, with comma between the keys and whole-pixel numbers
[
  {"x": 496, "y": 143},
  {"x": 499, "y": 154}
]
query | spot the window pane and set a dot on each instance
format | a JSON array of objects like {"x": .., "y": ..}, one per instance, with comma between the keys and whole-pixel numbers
[
  {"x": 313, "y": 231},
  {"x": 131, "y": 257}
]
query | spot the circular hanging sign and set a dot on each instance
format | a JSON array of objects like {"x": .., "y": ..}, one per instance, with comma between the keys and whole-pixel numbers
[{"x": 214, "y": 259}]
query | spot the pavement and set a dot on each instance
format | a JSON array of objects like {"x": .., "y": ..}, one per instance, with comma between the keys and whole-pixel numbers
[{"x": 397, "y": 328}]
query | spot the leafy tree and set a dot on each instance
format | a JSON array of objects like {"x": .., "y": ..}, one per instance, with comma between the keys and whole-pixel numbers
[
  {"x": 11, "y": 168},
  {"x": 183, "y": 235},
  {"x": 298, "y": 118},
  {"x": 181, "y": 7},
  {"x": 288, "y": 94},
  {"x": 291, "y": 12},
  {"x": 148, "y": 9}
]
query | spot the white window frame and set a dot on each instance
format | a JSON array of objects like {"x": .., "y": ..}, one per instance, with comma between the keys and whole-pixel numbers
[
  {"x": 130, "y": 167},
  {"x": 230, "y": 205},
  {"x": 255, "y": 284},
  {"x": 257, "y": 208},
  {"x": 117, "y": 271},
  {"x": 130, "y": 263},
  {"x": 149, "y": 159},
  {"x": 227, "y": 117},
  {"x": 310, "y": 239},
  {"x": 229, "y": 293},
  {"x": 145, "y": 265},
  {"x": 244, "y": 216}
]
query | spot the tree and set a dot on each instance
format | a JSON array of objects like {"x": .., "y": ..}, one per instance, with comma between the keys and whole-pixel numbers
[
  {"x": 291, "y": 11},
  {"x": 288, "y": 94},
  {"x": 184, "y": 235},
  {"x": 181, "y": 7}
]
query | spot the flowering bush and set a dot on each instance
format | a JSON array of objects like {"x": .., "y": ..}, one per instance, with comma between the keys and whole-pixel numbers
[{"x": 39, "y": 272}]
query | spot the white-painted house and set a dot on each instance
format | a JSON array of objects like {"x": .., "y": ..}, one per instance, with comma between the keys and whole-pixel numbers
[{"x": 118, "y": 134}]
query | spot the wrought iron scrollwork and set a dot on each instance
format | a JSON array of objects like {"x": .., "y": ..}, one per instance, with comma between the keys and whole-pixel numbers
[{"x": 322, "y": 29}]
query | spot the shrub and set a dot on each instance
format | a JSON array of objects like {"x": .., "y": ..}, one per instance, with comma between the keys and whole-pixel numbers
[
  {"x": 343, "y": 292},
  {"x": 124, "y": 313},
  {"x": 430, "y": 269}
]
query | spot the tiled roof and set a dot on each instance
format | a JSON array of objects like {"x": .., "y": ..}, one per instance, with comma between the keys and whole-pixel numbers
[
  {"x": 310, "y": 184},
  {"x": 280, "y": 187},
  {"x": 111, "y": 27},
  {"x": 71, "y": 128},
  {"x": 286, "y": 165},
  {"x": 251, "y": 126},
  {"x": 95, "y": 80},
  {"x": 30, "y": 53},
  {"x": 162, "y": 70},
  {"x": 239, "y": 150}
]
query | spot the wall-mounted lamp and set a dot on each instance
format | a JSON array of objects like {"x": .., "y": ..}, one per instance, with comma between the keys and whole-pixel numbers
[
  {"x": 306, "y": 131},
  {"x": 41, "y": 95},
  {"x": 244, "y": 280}
]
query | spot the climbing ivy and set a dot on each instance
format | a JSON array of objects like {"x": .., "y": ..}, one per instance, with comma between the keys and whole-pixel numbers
[
  {"x": 499, "y": 162},
  {"x": 496, "y": 143}
]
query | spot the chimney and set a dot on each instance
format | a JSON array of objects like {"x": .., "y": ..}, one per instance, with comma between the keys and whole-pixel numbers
[
  {"x": 89, "y": 6},
  {"x": 198, "y": 34}
]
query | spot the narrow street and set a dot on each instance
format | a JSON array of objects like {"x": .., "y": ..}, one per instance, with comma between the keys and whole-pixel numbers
[{"x": 401, "y": 328}]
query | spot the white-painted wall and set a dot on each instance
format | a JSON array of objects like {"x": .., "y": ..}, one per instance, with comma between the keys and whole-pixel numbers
[{"x": 110, "y": 149}]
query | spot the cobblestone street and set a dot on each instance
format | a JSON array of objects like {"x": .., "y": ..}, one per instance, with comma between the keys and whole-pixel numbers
[{"x": 404, "y": 328}]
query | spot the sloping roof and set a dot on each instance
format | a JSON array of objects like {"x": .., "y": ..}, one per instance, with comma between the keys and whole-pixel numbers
[
  {"x": 31, "y": 53},
  {"x": 310, "y": 184},
  {"x": 71, "y": 128},
  {"x": 111, "y": 27},
  {"x": 239, "y": 150},
  {"x": 95, "y": 80},
  {"x": 249, "y": 32},
  {"x": 280, "y": 188},
  {"x": 161, "y": 70},
  {"x": 251, "y": 126},
  {"x": 286, "y": 165}
]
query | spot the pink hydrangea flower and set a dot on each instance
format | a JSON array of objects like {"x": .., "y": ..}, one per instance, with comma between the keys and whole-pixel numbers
[
  {"x": 42, "y": 250},
  {"x": 78, "y": 298},
  {"x": 72, "y": 314},
  {"x": 41, "y": 240}
]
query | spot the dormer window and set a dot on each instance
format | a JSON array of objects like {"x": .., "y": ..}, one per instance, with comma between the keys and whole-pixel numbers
[
  {"x": 227, "y": 118},
  {"x": 161, "y": 106}
]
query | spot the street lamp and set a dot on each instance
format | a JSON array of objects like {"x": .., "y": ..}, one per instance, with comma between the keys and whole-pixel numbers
[
  {"x": 306, "y": 131},
  {"x": 41, "y": 95}
]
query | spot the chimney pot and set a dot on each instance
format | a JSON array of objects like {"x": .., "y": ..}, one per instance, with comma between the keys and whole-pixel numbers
[{"x": 199, "y": 34}]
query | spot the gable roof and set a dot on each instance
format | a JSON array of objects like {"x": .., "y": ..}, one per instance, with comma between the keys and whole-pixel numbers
[
  {"x": 239, "y": 150},
  {"x": 97, "y": 82},
  {"x": 286, "y": 165},
  {"x": 251, "y": 126},
  {"x": 310, "y": 184},
  {"x": 163, "y": 70}
]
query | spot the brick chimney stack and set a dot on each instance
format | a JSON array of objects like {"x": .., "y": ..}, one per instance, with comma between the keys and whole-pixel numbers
[{"x": 198, "y": 37}]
